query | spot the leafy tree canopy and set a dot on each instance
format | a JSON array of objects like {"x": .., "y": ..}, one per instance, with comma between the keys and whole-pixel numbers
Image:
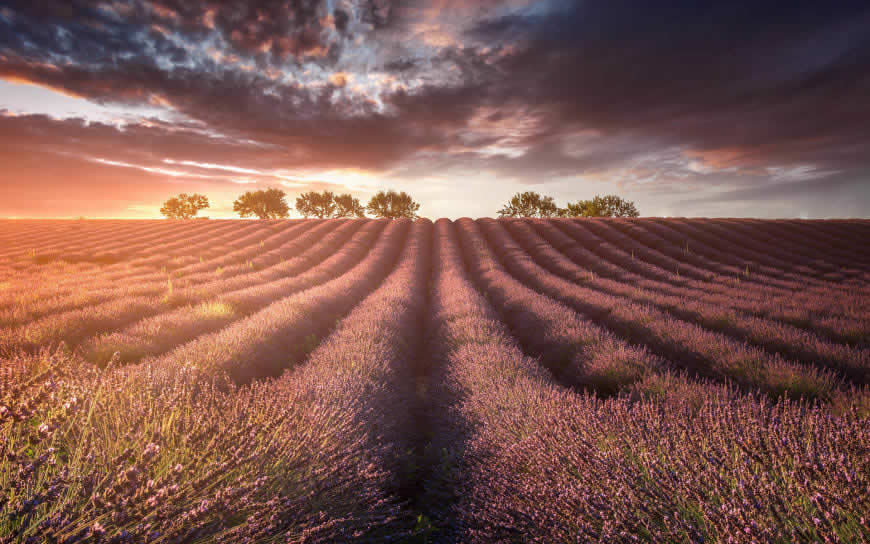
[
  {"x": 327, "y": 204},
  {"x": 184, "y": 206},
  {"x": 393, "y": 205},
  {"x": 313, "y": 204},
  {"x": 529, "y": 204},
  {"x": 267, "y": 204},
  {"x": 601, "y": 206},
  {"x": 348, "y": 206}
]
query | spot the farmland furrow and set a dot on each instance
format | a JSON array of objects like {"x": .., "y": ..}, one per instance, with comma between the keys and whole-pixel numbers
[
  {"x": 747, "y": 239},
  {"x": 145, "y": 235},
  {"x": 129, "y": 251},
  {"x": 673, "y": 244},
  {"x": 735, "y": 251},
  {"x": 808, "y": 248},
  {"x": 246, "y": 235},
  {"x": 819, "y": 279},
  {"x": 578, "y": 352},
  {"x": 796, "y": 344},
  {"x": 852, "y": 261},
  {"x": 333, "y": 381},
  {"x": 486, "y": 394},
  {"x": 139, "y": 241},
  {"x": 526, "y": 460},
  {"x": 617, "y": 262},
  {"x": 749, "y": 274},
  {"x": 736, "y": 245},
  {"x": 828, "y": 316},
  {"x": 846, "y": 281},
  {"x": 58, "y": 272},
  {"x": 181, "y": 240},
  {"x": 172, "y": 231},
  {"x": 15, "y": 234},
  {"x": 311, "y": 456},
  {"x": 627, "y": 254},
  {"x": 795, "y": 307},
  {"x": 824, "y": 275},
  {"x": 219, "y": 257},
  {"x": 615, "y": 240},
  {"x": 215, "y": 309},
  {"x": 848, "y": 232},
  {"x": 138, "y": 283},
  {"x": 765, "y": 243},
  {"x": 687, "y": 344},
  {"x": 162, "y": 249},
  {"x": 594, "y": 235},
  {"x": 812, "y": 239},
  {"x": 77, "y": 233},
  {"x": 366, "y": 368},
  {"x": 13, "y": 229},
  {"x": 695, "y": 249},
  {"x": 281, "y": 334},
  {"x": 76, "y": 325}
]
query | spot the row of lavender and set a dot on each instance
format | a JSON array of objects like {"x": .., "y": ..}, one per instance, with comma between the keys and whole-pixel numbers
[
  {"x": 529, "y": 460},
  {"x": 641, "y": 317},
  {"x": 96, "y": 239},
  {"x": 834, "y": 323},
  {"x": 176, "y": 452},
  {"x": 116, "y": 248},
  {"x": 508, "y": 445},
  {"x": 684, "y": 328},
  {"x": 839, "y": 318},
  {"x": 681, "y": 266},
  {"x": 331, "y": 248},
  {"x": 149, "y": 273},
  {"x": 695, "y": 339}
]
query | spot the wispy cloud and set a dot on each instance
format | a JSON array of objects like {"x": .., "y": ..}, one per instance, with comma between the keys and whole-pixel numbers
[{"x": 659, "y": 101}]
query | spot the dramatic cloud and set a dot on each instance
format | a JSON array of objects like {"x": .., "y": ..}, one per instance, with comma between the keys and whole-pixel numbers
[{"x": 688, "y": 108}]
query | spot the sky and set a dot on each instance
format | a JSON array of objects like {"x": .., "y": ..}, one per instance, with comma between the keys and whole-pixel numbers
[{"x": 747, "y": 108}]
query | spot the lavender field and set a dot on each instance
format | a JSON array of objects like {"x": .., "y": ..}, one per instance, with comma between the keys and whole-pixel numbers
[{"x": 552, "y": 380}]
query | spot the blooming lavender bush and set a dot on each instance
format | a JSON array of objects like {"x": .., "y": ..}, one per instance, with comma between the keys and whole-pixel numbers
[{"x": 603, "y": 380}]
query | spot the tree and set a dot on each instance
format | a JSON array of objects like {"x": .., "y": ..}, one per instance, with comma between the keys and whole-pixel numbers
[
  {"x": 581, "y": 208},
  {"x": 268, "y": 204},
  {"x": 529, "y": 204},
  {"x": 393, "y": 205},
  {"x": 316, "y": 204},
  {"x": 348, "y": 206},
  {"x": 328, "y": 204},
  {"x": 184, "y": 206},
  {"x": 601, "y": 206}
]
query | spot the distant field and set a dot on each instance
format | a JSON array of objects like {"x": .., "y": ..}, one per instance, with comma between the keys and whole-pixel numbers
[{"x": 643, "y": 380}]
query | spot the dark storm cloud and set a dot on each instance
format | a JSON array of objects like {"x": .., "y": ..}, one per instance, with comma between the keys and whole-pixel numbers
[
  {"x": 77, "y": 138},
  {"x": 735, "y": 74},
  {"x": 273, "y": 29},
  {"x": 300, "y": 145},
  {"x": 673, "y": 90},
  {"x": 822, "y": 187},
  {"x": 132, "y": 52},
  {"x": 113, "y": 54}
]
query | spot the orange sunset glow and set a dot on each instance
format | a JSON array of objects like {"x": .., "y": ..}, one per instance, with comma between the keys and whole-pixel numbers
[
  {"x": 434, "y": 271},
  {"x": 108, "y": 108}
]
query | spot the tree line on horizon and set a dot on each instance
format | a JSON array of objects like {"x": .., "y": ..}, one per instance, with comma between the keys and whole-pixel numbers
[
  {"x": 532, "y": 204},
  {"x": 272, "y": 204}
]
